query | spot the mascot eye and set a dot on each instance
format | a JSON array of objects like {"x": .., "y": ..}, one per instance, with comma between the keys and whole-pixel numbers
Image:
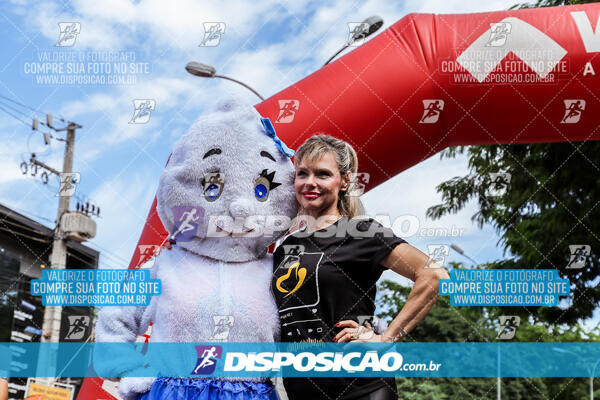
[
  {"x": 212, "y": 191},
  {"x": 264, "y": 184},
  {"x": 261, "y": 189},
  {"x": 212, "y": 184}
]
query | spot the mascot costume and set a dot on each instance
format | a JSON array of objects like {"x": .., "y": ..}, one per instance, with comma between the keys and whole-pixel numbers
[{"x": 228, "y": 168}]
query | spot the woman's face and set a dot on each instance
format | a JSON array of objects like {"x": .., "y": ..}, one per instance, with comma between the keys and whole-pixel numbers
[{"x": 317, "y": 185}]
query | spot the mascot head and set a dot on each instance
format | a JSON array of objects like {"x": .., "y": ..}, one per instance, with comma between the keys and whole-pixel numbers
[{"x": 228, "y": 188}]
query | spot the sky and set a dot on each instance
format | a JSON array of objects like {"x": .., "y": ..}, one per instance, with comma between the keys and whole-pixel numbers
[{"x": 268, "y": 45}]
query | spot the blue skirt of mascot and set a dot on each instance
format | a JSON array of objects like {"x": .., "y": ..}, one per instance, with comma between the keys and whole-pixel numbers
[{"x": 229, "y": 166}]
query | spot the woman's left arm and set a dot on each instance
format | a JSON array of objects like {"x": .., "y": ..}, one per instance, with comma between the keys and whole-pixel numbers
[{"x": 413, "y": 264}]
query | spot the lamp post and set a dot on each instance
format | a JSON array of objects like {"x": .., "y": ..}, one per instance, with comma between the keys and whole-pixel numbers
[
  {"x": 368, "y": 27},
  {"x": 498, "y": 379},
  {"x": 462, "y": 253},
  {"x": 591, "y": 371},
  {"x": 208, "y": 71}
]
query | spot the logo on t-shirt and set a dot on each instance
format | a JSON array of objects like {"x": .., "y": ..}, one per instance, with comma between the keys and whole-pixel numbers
[
  {"x": 294, "y": 275},
  {"x": 296, "y": 272}
]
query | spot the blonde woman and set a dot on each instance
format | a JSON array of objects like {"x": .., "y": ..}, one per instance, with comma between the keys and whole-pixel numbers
[{"x": 326, "y": 269}]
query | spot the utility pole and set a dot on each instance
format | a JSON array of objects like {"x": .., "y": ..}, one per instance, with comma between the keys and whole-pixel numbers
[
  {"x": 58, "y": 258},
  {"x": 499, "y": 380},
  {"x": 48, "y": 356}
]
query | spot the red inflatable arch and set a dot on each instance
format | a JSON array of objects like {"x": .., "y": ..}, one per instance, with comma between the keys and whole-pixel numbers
[{"x": 433, "y": 81}]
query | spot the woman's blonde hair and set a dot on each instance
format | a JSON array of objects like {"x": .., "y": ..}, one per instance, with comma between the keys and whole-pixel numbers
[{"x": 347, "y": 161}]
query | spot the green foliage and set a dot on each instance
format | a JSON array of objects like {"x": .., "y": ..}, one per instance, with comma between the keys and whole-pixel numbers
[
  {"x": 550, "y": 3},
  {"x": 552, "y": 201},
  {"x": 471, "y": 388},
  {"x": 445, "y": 323}
]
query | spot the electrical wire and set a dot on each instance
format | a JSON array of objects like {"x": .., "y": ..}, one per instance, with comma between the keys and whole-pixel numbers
[
  {"x": 82, "y": 199},
  {"x": 23, "y": 105},
  {"x": 25, "y": 212},
  {"x": 14, "y": 116},
  {"x": 43, "y": 114},
  {"x": 45, "y": 153},
  {"x": 107, "y": 253},
  {"x": 28, "y": 116}
]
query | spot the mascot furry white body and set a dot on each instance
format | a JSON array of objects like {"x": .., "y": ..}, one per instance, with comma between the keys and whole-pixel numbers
[{"x": 228, "y": 272}]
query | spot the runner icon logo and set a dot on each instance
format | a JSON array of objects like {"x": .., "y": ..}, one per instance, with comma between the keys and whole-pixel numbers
[
  {"x": 508, "y": 326},
  {"x": 68, "y": 33},
  {"x": 142, "y": 110},
  {"x": 432, "y": 110},
  {"x": 222, "y": 325},
  {"x": 78, "y": 327},
  {"x": 579, "y": 255},
  {"x": 437, "y": 255},
  {"x": 187, "y": 219},
  {"x": 207, "y": 359},
  {"x": 573, "y": 111},
  {"x": 498, "y": 34},
  {"x": 499, "y": 184},
  {"x": 212, "y": 34},
  {"x": 287, "y": 111}
]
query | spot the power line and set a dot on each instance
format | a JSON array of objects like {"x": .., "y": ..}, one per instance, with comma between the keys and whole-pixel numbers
[
  {"x": 31, "y": 124},
  {"x": 14, "y": 116},
  {"x": 25, "y": 105},
  {"x": 48, "y": 145},
  {"x": 25, "y": 212},
  {"x": 15, "y": 109},
  {"x": 109, "y": 253},
  {"x": 30, "y": 108}
]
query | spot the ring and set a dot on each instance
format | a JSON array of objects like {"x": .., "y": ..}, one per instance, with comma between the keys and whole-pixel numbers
[{"x": 353, "y": 334}]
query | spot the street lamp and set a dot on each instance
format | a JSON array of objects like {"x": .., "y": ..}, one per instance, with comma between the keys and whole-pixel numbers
[
  {"x": 208, "y": 71},
  {"x": 462, "y": 253},
  {"x": 591, "y": 371},
  {"x": 368, "y": 27}
]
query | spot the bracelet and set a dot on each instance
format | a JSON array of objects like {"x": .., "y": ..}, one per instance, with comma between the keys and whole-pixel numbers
[{"x": 399, "y": 336}]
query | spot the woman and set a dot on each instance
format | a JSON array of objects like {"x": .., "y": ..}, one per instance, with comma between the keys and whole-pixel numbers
[{"x": 325, "y": 271}]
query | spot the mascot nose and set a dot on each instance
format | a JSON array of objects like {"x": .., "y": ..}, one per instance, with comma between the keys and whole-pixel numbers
[{"x": 241, "y": 208}]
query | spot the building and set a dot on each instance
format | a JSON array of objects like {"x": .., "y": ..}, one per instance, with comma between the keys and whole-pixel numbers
[{"x": 25, "y": 247}]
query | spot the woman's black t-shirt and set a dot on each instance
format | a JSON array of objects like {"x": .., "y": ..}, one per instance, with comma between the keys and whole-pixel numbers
[{"x": 325, "y": 277}]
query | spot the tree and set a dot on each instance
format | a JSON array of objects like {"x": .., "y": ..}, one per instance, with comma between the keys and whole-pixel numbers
[
  {"x": 551, "y": 3},
  {"x": 445, "y": 323},
  {"x": 552, "y": 201}
]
